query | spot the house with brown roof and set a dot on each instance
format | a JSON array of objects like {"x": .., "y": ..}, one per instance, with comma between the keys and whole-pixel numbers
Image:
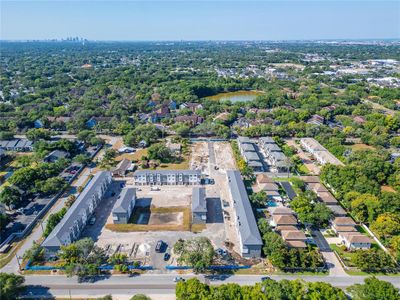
[
  {"x": 296, "y": 244},
  {"x": 285, "y": 228},
  {"x": 356, "y": 241},
  {"x": 317, "y": 187},
  {"x": 293, "y": 235},
  {"x": 281, "y": 210},
  {"x": 280, "y": 220},
  {"x": 310, "y": 179},
  {"x": 327, "y": 198},
  {"x": 339, "y": 223},
  {"x": 263, "y": 178},
  {"x": 192, "y": 120}
]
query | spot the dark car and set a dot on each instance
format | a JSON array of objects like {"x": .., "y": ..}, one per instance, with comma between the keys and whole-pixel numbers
[
  {"x": 167, "y": 256},
  {"x": 265, "y": 278},
  {"x": 159, "y": 246}
]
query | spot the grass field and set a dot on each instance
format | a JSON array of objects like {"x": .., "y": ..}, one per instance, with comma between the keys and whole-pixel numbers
[
  {"x": 362, "y": 147},
  {"x": 132, "y": 227}
]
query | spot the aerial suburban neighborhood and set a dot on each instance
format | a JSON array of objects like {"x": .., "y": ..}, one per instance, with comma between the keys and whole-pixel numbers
[{"x": 199, "y": 169}]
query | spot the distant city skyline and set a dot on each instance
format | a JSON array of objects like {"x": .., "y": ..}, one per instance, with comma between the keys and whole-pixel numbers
[{"x": 200, "y": 20}]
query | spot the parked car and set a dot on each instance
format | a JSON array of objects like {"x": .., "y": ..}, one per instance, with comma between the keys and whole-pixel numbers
[
  {"x": 167, "y": 256},
  {"x": 92, "y": 220},
  {"x": 265, "y": 278},
  {"x": 178, "y": 278},
  {"x": 159, "y": 246},
  {"x": 154, "y": 188}
]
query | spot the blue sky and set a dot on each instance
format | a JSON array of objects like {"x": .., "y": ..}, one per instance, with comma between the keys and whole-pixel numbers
[{"x": 200, "y": 20}]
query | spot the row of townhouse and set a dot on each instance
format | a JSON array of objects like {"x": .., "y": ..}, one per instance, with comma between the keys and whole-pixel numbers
[
  {"x": 285, "y": 223},
  {"x": 346, "y": 229},
  {"x": 321, "y": 154},
  {"x": 313, "y": 183},
  {"x": 249, "y": 153},
  {"x": 16, "y": 145},
  {"x": 73, "y": 223},
  {"x": 250, "y": 242},
  {"x": 273, "y": 152},
  {"x": 167, "y": 177}
]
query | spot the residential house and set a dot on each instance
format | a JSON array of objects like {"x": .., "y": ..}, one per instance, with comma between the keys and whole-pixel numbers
[
  {"x": 124, "y": 206},
  {"x": 72, "y": 224},
  {"x": 16, "y": 145},
  {"x": 316, "y": 120},
  {"x": 93, "y": 121},
  {"x": 283, "y": 220},
  {"x": 192, "y": 106},
  {"x": 167, "y": 177},
  {"x": 359, "y": 120},
  {"x": 357, "y": 240},
  {"x": 322, "y": 155},
  {"x": 193, "y": 120},
  {"x": 337, "y": 210},
  {"x": 294, "y": 238},
  {"x": 327, "y": 198},
  {"x": 55, "y": 156},
  {"x": 341, "y": 223},
  {"x": 122, "y": 168},
  {"x": 199, "y": 205},
  {"x": 250, "y": 242}
]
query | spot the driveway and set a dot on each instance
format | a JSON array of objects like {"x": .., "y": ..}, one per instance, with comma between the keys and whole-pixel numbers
[{"x": 332, "y": 262}]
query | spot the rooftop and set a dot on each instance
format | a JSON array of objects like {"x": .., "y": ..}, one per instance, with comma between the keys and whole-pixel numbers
[
  {"x": 199, "y": 203},
  {"x": 245, "y": 217},
  {"x": 124, "y": 199}
]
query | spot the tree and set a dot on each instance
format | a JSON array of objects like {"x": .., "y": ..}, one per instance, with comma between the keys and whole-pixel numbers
[
  {"x": 372, "y": 260},
  {"x": 35, "y": 253},
  {"x": 11, "y": 286},
  {"x": 10, "y": 196},
  {"x": 196, "y": 252},
  {"x": 374, "y": 289},
  {"x": 36, "y": 134},
  {"x": 51, "y": 185},
  {"x": 53, "y": 220},
  {"x": 191, "y": 289},
  {"x": 258, "y": 199},
  {"x": 386, "y": 225},
  {"x": 160, "y": 152},
  {"x": 365, "y": 207},
  {"x": 82, "y": 159},
  {"x": 273, "y": 242},
  {"x": 140, "y": 297},
  {"x": 322, "y": 290}
]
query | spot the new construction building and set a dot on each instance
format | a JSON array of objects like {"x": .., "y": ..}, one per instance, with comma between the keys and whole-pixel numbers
[
  {"x": 249, "y": 153},
  {"x": 199, "y": 205},
  {"x": 124, "y": 206},
  {"x": 250, "y": 241},
  {"x": 273, "y": 152},
  {"x": 72, "y": 224},
  {"x": 167, "y": 177},
  {"x": 320, "y": 153}
]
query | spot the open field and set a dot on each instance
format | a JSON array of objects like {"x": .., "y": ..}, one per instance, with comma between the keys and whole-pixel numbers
[
  {"x": 160, "y": 219},
  {"x": 362, "y": 147}
]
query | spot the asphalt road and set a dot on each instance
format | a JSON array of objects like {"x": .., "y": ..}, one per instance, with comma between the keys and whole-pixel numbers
[{"x": 46, "y": 285}]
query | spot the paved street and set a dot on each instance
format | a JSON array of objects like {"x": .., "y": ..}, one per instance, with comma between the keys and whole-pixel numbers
[{"x": 122, "y": 286}]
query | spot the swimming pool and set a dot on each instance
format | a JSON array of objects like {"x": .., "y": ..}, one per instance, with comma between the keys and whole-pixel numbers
[{"x": 272, "y": 203}]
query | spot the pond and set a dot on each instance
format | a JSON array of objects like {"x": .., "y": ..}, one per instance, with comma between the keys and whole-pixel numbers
[{"x": 238, "y": 96}]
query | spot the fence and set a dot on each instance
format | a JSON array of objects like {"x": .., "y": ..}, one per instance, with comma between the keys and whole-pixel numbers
[
  {"x": 228, "y": 267},
  {"x": 29, "y": 227},
  {"x": 101, "y": 268}
]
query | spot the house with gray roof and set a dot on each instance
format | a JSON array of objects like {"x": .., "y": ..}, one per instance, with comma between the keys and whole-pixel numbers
[
  {"x": 124, "y": 206},
  {"x": 73, "y": 223},
  {"x": 250, "y": 242},
  {"x": 167, "y": 177},
  {"x": 55, "y": 156},
  {"x": 199, "y": 205},
  {"x": 16, "y": 145},
  {"x": 249, "y": 153}
]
